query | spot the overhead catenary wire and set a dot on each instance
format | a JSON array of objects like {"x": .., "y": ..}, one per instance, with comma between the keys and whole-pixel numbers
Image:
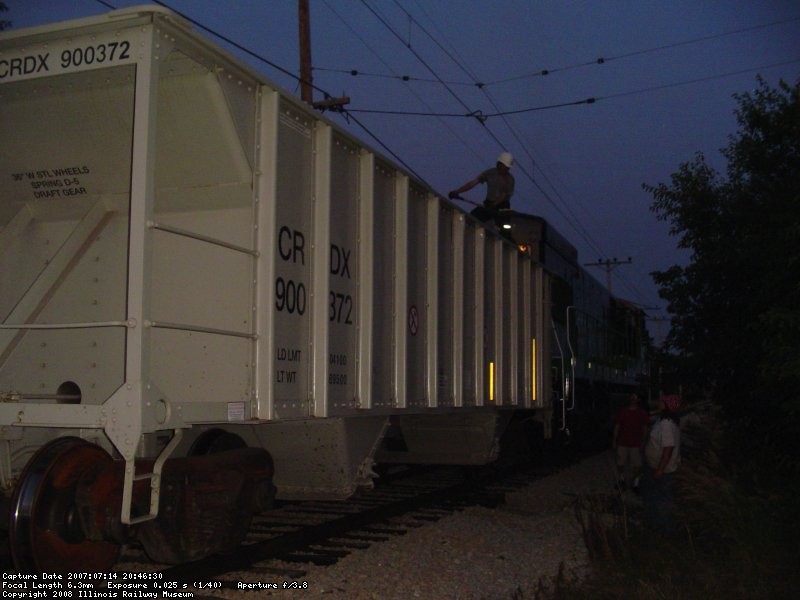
[
  {"x": 475, "y": 82},
  {"x": 422, "y": 100},
  {"x": 562, "y": 210},
  {"x": 570, "y": 218},
  {"x": 656, "y": 88},
  {"x": 483, "y": 116},
  {"x": 415, "y": 53},
  {"x": 661, "y": 48},
  {"x": 458, "y": 99},
  {"x": 476, "y": 114}
]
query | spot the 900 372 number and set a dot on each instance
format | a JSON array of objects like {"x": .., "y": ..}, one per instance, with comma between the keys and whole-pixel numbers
[{"x": 100, "y": 53}]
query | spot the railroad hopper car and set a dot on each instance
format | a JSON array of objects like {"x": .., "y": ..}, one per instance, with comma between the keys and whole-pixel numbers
[{"x": 211, "y": 295}]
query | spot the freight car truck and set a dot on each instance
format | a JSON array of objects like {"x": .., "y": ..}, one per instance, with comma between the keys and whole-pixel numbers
[{"x": 208, "y": 292}]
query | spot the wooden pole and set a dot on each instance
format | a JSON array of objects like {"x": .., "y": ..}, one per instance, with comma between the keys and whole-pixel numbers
[{"x": 306, "y": 91}]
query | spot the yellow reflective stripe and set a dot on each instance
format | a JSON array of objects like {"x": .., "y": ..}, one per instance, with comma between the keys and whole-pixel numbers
[
  {"x": 533, "y": 369},
  {"x": 491, "y": 382}
]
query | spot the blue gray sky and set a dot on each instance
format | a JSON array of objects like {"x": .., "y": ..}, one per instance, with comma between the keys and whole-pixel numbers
[{"x": 662, "y": 74}]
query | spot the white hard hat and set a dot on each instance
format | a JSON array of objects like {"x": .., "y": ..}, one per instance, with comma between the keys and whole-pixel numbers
[{"x": 506, "y": 159}]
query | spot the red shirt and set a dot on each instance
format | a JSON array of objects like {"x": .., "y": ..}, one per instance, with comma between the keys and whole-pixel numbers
[{"x": 632, "y": 423}]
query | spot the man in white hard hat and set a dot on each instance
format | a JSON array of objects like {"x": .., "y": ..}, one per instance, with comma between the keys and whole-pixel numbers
[{"x": 499, "y": 188}]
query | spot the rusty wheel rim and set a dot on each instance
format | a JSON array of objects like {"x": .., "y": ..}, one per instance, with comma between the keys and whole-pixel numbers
[{"x": 44, "y": 526}]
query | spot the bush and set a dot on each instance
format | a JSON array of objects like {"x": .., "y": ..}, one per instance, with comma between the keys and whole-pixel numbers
[{"x": 734, "y": 542}]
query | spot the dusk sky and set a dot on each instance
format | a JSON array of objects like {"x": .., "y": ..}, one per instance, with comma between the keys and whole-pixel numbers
[{"x": 663, "y": 92}]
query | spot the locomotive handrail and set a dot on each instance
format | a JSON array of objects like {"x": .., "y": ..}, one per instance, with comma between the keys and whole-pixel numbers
[
  {"x": 202, "y": 238},
  {"x": 563, "y": 384},
  {"x": 571, "y": 359}
]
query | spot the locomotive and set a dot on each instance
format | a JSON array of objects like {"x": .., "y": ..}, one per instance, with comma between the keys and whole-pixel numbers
[{"x": 212, "y": 297}]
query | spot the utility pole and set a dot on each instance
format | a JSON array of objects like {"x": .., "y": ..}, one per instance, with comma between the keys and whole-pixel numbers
[
  {"x": 659, "y": 333},
  {"x": 306, "y": 78},
  {"x": 304, "y": 21},
  {"x": 609, "y": 265}
]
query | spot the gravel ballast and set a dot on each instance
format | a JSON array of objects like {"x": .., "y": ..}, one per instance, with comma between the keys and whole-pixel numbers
[{"x": 477, "y": 553}]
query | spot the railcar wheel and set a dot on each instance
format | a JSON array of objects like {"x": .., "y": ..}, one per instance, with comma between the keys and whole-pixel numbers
[
  {"x": 45, "y": 532},
  {"x": 215, "y": 441}
]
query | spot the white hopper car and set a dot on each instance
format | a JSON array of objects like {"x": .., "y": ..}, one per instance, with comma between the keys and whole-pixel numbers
[{"x": 201, "y": 277}]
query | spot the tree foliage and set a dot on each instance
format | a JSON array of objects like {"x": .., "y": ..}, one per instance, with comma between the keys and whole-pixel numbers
[
  {"x": 3, "y": 23},
  {"x": 736, "y": 304}
]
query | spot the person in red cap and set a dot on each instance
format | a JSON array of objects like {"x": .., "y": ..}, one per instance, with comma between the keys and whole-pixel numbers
[{"x": 662, "y": 455}]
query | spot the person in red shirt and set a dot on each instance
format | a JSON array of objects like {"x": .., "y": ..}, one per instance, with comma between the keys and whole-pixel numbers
[{"x": 630, "y": 432}]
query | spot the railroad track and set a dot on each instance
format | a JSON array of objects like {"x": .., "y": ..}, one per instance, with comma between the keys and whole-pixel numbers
[{"x": 282, "y": 541}]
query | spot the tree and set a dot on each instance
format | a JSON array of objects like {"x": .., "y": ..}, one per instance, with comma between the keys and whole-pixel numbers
[
  {"x": 3, "y": 23},
  {"x": 736, "y": 304}
]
